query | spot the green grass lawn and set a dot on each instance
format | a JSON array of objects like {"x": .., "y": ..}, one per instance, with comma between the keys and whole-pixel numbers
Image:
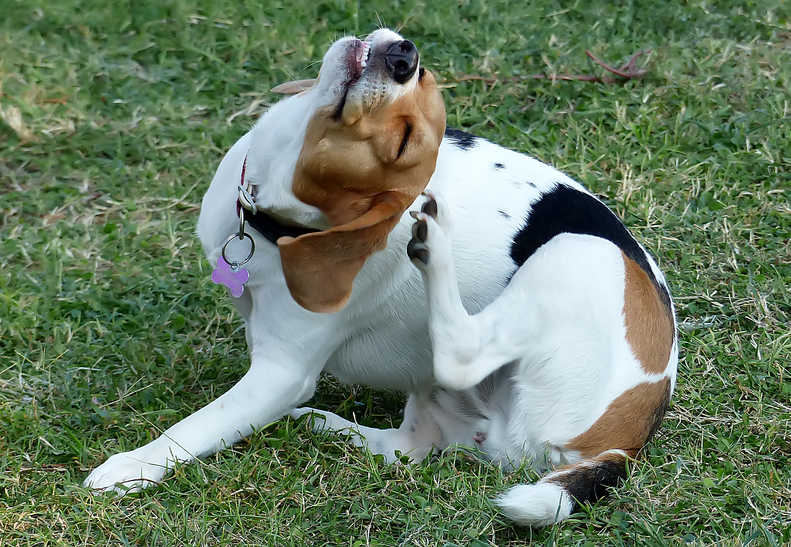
[{"x": 113, "y": 117}]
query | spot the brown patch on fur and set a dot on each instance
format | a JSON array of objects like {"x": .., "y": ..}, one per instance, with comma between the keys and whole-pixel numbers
[
  {"x": 320, "y": 268},
  {"x": 627, "y": 423},
  {"x": 362, "y": 178},
  {"x": 649, "y": 323}
]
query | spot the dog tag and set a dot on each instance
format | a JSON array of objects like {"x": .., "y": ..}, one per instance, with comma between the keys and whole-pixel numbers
[{"x": 232, "y": 277}]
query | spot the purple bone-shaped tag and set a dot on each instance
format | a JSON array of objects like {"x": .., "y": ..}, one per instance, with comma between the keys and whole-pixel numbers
[{"x": 224, "y": 274}]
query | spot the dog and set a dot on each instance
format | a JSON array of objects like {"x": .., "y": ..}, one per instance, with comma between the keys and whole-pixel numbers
[{"x": 512, "y": 305}]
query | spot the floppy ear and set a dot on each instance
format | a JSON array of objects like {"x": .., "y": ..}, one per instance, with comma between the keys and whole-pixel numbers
[
  {"x": 297, "y": 86},
  {"x": 320, "y": 267}
]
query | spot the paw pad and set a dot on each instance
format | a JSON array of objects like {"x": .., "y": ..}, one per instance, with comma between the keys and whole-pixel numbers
[
  {"x": 430, "y": 206},
  {"x": 417, "y": 248}
]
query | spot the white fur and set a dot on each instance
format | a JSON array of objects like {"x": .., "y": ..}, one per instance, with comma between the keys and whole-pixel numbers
[
  {"x": 539, "y": 504},
  {"x": 552, "y": 342}
]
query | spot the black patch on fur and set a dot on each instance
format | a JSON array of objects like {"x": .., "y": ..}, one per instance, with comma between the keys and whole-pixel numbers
[
  {"x": 499, "y": 165},
  {"x": 586, "y": 484},
  {"x": 463, "y": 140},
  {"x": 566, "y": 210},
  {"x": 503, "y": 213},
  {"x": 531, "y": 184}
]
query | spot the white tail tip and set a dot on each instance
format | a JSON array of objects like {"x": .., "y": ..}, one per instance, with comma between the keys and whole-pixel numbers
[{"x": 536, "y": 505}]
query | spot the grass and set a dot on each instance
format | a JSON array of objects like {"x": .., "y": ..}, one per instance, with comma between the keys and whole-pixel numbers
[{"x": 113, "y": 118}]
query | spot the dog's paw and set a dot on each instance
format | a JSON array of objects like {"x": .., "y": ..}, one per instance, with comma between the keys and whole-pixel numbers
[
  {"x": 126, "y": 473},
  {"x": 297, "y": 413},
  {"x": 320, "y": 420},
  {"x": 429, "y": 241}
]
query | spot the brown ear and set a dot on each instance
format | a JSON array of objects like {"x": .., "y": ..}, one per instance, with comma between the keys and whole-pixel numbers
[
  {"x": 297, "y": 86},
  {"x": 320, "y": 267}
]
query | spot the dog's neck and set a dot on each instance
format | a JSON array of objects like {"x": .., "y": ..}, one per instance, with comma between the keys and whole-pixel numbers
[
  {"x": 276, "y": 143},
  {"x": 273, "y": 229}
]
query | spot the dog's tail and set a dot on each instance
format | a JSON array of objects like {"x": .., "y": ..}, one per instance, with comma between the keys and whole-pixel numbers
[{"x": 560, "y": 493}]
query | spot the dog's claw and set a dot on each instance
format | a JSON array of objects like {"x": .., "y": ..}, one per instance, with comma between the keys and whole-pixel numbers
[{"x": 430, "y": 206}]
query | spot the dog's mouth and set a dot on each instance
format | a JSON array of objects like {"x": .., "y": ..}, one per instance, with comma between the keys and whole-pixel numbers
[
  {"x": 357, "y": 59},
  {"x": 357, "y": 56}
]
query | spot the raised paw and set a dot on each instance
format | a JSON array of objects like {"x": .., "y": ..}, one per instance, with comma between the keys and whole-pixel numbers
[{"x": 427, "y": 231}]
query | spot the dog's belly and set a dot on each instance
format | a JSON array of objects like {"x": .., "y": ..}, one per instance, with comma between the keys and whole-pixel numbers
[{"x": 385, "y": 356}]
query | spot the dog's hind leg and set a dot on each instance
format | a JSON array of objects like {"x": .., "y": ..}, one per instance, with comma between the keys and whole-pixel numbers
[{"x": 415, "y": 438}]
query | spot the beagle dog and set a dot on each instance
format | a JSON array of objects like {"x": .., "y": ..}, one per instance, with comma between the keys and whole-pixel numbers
[{"x": 512, "y": 306}]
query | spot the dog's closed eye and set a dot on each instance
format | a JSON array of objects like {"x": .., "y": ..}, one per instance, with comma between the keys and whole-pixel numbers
[{"x": 404, "y": 140}]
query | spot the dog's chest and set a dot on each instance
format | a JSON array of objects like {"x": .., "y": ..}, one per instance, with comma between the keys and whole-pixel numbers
[{"x": 395, "y": 357}]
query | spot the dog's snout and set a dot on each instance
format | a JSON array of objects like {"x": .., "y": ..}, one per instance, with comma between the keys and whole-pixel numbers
[{"x": 401, "y": 59}]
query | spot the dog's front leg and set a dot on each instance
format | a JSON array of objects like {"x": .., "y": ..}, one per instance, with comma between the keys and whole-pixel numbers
[{"x": 276, "y": 382}]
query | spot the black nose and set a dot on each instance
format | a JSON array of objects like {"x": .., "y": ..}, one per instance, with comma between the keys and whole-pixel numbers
[{"x": 401, "y": 60}]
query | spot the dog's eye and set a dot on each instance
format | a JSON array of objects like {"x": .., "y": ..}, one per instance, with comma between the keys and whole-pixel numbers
[
  {"x": 404, "y": 140},
  {"x": 421, "y": 73}
]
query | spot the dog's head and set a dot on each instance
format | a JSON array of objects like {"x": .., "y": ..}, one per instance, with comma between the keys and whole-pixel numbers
[{"x": 369, "y": 150}]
